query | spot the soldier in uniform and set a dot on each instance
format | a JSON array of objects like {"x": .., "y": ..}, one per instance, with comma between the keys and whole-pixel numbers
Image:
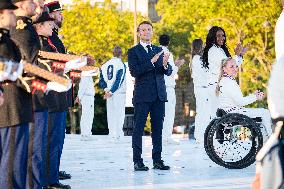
[
  {"x": 55, "y": 12},
  {"x": 15, "y": 112},
  {"x": 44, "y": 26},
  {"x": 28, "y": 41}
]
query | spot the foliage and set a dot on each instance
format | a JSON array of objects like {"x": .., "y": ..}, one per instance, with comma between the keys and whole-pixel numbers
[
  {"x": 96, "y": 29},
  {"x": 245, "y": 21}
]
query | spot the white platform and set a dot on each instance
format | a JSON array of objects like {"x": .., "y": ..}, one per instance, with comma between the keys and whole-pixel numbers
[{"x": 102, "y": 163}]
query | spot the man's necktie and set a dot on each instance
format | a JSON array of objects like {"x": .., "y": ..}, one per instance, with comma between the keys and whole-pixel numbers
[{"x": 150, "y": 51}]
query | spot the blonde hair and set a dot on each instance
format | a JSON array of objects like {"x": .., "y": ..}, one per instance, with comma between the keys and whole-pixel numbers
[{"x": 224, "y": 63}]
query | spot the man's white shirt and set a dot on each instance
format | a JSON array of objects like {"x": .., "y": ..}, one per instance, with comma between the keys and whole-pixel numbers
[{"x": 170, "y": 80}]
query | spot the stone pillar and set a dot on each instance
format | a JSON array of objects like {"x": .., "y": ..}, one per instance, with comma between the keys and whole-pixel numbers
[{"x": 152, "y": 13}]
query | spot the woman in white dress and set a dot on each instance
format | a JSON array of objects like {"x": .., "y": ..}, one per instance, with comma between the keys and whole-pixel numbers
[
  {"x": 215, "y": 51},
  {"x": 199, "y": 76},
  {"x": 232, "y": 100}
]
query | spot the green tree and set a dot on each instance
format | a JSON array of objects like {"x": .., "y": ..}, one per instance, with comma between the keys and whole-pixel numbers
[{"x": 96, "y": 30}]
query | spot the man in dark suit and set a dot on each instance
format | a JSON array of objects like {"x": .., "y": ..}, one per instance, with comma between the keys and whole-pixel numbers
[{"x": 148, "y": 65}]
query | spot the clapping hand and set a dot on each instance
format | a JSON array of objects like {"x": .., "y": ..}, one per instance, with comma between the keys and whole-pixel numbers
[
  {"x": 259, "y": 95},
  {"x": 156, "y": 57},
  {"x": 166, "y": 58},
  {"x": 77, "y": 100},
  {"x": 241, "y": 50},
  {"x": 179, "y": 62},
  {"x": 245, "y": 49}
]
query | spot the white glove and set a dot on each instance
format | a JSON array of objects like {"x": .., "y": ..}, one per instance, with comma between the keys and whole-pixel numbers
[
  {"x": 54, "y": 86},
  {"x": 89, "y": 73},
  {"x": 75, "y": 64},
  {"x": 20, "y": 67},
  {"x": 8, "y": 70}
]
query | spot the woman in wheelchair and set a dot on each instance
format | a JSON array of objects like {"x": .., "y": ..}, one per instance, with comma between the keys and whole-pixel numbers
[
  {"x": 231, "y": 99},
  {"x": 235, "y": 136}
]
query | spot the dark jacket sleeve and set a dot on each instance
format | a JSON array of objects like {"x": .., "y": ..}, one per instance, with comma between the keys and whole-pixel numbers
[
  {"x": 27, "y": 43},
  {"x": 168, "y": 71},
  {"x": 137, "y": 68}
]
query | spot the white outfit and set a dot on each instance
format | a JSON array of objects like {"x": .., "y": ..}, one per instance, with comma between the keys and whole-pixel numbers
[
  {"x": 170, "y": 106},
  {"x": 200, "y": 81},
  {"x": 232, "y": 101},
  {"x": 86, "y": 95},
  {"x": 279, "y": 37},
  {"x": 215, "y": 56},
  {"x": 113, "y": 73},
  {"x": 130, "y": 87},
  {"x": 275, "y": 86}
]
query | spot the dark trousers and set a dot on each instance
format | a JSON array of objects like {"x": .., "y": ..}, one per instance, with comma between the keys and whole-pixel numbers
[
  {"x": 13, "y": 156},
  {"x": 37, "y": 150},
  {"x": 141, "y": 111},
  {"x": 55, "y": 120},
  {"x": 62, "y": 136}
]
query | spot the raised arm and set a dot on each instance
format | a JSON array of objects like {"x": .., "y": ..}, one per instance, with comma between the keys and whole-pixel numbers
[
  {"x": 234, "y": 92},
  {"x": 135, "y": 67}
]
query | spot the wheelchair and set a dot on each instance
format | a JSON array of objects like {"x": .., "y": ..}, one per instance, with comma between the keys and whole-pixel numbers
[{"x": 232, "y": 140}]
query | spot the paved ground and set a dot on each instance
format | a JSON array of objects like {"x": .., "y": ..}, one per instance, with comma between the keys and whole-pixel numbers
[{"x": 102, "y": 163}]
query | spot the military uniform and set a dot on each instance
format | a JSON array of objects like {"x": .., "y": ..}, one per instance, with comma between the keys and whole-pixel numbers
[
  {"x": 15, "y": 115},
  {"x": 27, "y": 39},
  {"x": 65, "y": 97},
  {"x": 56, "y": 114}
]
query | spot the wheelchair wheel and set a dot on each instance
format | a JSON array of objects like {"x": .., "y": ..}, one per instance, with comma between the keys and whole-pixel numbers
[
  {"x": 233, "y": 141},
  {"x": 206, "y": 145}
]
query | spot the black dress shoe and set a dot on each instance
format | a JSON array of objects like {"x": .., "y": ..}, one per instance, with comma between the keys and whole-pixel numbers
[
  {"x": 160, "y": 165},
  {"x": 63, "y": 175},
  {"x": 57, "y": 186},
  {"x": 140, "y": 167}
]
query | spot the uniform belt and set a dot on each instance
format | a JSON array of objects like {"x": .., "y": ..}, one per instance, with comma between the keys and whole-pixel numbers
[
  {"x": 89, "y": 95},
  {"x": 6, "y": 83}
]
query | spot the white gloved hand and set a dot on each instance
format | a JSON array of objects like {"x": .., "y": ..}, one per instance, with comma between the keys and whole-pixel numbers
[
  {"x": 8, "y": 70},
  {"x": 20, "y": 67},
  {"x": 89, "y": 73},
  {"x": 75, "y": 64},
  {"x": 54, "y": 86}
]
